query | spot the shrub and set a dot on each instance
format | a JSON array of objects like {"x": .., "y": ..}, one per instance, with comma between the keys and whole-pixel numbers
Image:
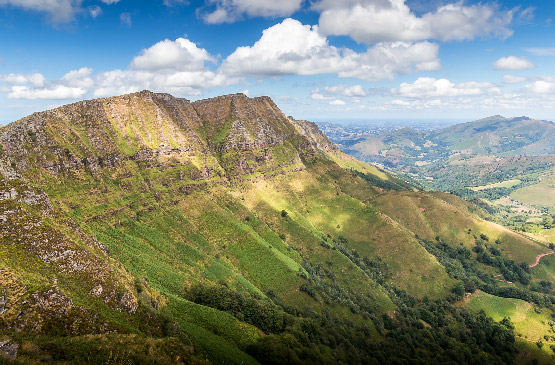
[{"x": 32, "y": 135}]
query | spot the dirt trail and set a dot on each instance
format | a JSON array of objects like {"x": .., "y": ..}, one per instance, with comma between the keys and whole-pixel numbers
[{"x": 538, "y": 258}]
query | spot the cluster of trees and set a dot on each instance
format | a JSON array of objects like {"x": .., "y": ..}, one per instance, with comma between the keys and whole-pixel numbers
[
  {"x": 510, "y": 270},
  {"x": 247, "y": 307},
  {"x": 548, "y": 222},
  {"x": 322, "y": 284},
  {"x": 419, "y": 332},
  {"x": 392, "y": 183},
  {"x": 459, "y": 264},
  {"x": 375, "y": 268}
]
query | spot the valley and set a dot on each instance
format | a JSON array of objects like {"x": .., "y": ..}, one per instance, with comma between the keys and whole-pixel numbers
[{"x": 506, "y": 165}]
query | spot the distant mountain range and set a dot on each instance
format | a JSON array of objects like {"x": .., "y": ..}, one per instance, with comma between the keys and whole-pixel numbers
[
  {"x": 495, "y": 137},
  {"x": 467, "y": 155}
]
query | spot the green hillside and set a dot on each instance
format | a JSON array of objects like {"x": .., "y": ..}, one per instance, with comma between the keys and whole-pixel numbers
[
  {"x": 504, "y": 164},
  {"x": 146, "y": 228}
]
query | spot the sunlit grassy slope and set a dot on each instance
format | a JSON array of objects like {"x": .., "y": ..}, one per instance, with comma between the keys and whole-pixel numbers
[
  {"x": 531, "y": 323},
  {"x": 431, "y": 215}
]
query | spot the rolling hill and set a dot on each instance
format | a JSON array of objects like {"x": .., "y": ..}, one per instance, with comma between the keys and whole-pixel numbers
[
  {"x": 148, "y": 228},
  {"x": 506, "y": 162}
]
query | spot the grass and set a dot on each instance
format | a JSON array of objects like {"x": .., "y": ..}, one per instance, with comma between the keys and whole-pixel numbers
[
  {"x": 317, "y": 205},
  {"x": 349, "y": 162},
  {"x": 545, "y": 269},
  {"x": 529, "y": 324},
  {"x": 501, "y": 184},
  {"x": 545, "y": 235},
  {"x": 436, "y": 214},
  {"x": 540, "y": 194},
  {"x": 530, "y": 353},
  {"x": 216, "y": 334}
]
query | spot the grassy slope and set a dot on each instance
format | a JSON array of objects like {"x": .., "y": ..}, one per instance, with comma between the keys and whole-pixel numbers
[
  {"x": 324, "y": 204},
  {"x": 530, "y": 326},
  {"x": 172, "y": 238},
  {"x": 436, "y": 214}
]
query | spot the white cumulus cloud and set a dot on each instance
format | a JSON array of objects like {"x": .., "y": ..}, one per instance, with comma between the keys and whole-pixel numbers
[
  {"x": 36, "y": 79},
  {"x": 54, "y": 93},
  {"x": 372, "y": 21},
  {"x": 73, "y": 85},
  {"x": 427, "y": 87},
  {"x": 546, "y": 86},
  {"x": 178, "y": 67},
  {"x": 181, "y": 54},
  {"x": 512, "y": 63},
  {"x": 79, "y": 78},
  {"x": 58, "y": 11},
  {"x": 229, "y": 11},
  {"x": 331, "y": 92},
  {"x": 337, "y": 102},
  {"x": 291, "y": 48},
  {"x": 184, "y": 83}
]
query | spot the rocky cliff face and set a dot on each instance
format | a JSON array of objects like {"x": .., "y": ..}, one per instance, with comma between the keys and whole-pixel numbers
[
  {"x": 41, "y": 248},
  {"x": 313, "y": 134}
]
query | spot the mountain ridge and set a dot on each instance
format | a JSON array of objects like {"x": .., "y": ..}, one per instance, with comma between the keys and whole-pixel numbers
[
  {"x": 195, "y": 129},
  {"x": 129, "y": 218}
]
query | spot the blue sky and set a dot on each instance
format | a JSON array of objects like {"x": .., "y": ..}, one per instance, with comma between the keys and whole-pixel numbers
[{"x": 319, "y": 59}]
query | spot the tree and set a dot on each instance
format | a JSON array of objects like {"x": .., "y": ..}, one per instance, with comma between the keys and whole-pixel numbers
[
  {"x": 547, "y": 222},
  {"x": 458, "y": 291}
]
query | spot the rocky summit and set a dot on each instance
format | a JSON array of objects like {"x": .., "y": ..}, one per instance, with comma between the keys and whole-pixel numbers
[{"x": 147, "y": 228}]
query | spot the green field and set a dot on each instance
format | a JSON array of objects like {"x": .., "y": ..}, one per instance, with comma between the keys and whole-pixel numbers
[
  {"x": 501, "y": 184},
  {"x": 540, "y": 194}
]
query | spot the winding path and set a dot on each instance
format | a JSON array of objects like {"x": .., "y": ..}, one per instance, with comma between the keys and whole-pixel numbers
[{"x": 538, "y": 258}]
